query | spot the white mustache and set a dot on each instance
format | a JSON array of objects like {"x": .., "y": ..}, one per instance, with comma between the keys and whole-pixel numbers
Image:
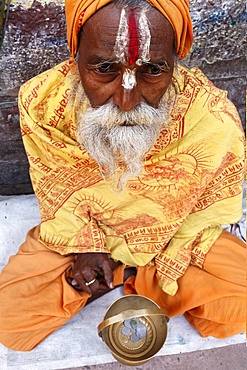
[{"x": 110, "y": 115}]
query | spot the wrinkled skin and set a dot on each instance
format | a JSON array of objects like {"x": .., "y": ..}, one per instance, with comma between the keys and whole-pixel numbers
[
  {"x": 103, "y": 85},
  {"x": 102, "y": 81}
]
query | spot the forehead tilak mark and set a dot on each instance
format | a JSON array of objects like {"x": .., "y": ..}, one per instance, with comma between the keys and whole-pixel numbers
[
  {"x": 145, "y": 38},
  {"x": 129, "y": 79},
  {"x": 122, "y": 38},
  {"x": 133, "y": 38},
  {"x": 133, "y": 44}
]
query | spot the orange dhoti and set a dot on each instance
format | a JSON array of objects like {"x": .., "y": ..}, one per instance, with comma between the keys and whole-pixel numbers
[{"x": 36, "y": 300}]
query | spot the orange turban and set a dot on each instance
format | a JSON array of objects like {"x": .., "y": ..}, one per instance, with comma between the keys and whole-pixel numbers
[{"x": 176, "y": 11}]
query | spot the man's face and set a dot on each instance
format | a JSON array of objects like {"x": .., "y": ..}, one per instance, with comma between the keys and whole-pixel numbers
[{"x": 126, "y": 58}]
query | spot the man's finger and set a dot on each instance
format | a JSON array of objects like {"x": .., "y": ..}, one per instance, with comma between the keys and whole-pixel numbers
[{"x": 108, "y": 274}]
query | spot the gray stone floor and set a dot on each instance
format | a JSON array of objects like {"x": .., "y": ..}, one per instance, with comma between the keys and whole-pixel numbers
[{"x": 226, "y": 358}]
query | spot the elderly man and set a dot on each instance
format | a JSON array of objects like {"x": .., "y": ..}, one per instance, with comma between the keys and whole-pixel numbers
[{"x": 136, "y": 162}]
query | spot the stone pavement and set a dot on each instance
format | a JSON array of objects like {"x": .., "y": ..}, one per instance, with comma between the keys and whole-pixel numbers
[{"x": 226, "y": 358}]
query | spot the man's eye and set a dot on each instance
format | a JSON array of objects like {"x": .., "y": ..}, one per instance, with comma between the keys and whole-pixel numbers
[
  {"x": 153, "y": 70},
  {"x": 105, "y": 68},
  {"x": 156, "y": 69}
]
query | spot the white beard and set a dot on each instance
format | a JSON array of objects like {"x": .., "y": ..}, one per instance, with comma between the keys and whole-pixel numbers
[{"x": 117, "y": 140}]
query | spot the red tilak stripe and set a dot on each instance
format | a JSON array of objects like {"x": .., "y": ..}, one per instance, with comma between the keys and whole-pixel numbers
[{"x": 133, "y": 42}]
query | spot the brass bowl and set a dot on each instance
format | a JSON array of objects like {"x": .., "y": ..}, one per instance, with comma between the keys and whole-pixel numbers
[{"x": 134, "y": 329}]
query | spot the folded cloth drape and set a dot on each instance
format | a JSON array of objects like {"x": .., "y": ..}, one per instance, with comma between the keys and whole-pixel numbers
[
  {"x": 176, "y": 11},
  {"x": 171, "y": 214}
]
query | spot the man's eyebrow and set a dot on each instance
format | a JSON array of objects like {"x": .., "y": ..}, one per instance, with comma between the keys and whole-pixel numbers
[
  {"x": 161, "y": 63},
  {"x": 97, "y": 62}
]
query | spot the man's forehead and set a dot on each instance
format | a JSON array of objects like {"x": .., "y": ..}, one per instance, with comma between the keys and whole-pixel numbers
[
  {"x": 109, "y": 18},
  {"x": 131, "y": 31},
  {"x": 133, "y": 38}
]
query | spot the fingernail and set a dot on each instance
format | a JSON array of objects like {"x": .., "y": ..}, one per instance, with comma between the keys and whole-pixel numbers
[{"x": 111, "y": 285}]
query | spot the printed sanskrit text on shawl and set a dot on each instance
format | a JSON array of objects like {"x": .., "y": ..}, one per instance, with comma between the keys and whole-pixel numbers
[{"x": 171, "y": 214}]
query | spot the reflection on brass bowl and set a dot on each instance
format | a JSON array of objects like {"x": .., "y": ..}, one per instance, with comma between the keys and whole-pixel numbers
[{"x": 134, "y": 329}]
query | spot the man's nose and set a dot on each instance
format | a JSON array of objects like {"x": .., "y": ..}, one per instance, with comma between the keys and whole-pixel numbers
[{"x": 127, "y": 99}]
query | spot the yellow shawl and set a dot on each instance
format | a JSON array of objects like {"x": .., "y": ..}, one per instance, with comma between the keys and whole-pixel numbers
[{"x": 171, "y": 214}]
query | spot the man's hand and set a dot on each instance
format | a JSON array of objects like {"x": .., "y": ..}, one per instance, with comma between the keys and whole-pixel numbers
[{"x": 92, "y": 272}]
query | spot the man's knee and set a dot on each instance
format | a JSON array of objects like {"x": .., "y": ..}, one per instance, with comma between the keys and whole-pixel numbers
[
  {"x": 14, "y": 333},
  {"x": 15, "y": 341}
]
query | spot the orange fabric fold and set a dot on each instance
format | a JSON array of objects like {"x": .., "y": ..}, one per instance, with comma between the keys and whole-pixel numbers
[
  {"x": 176, "y": 11},
  {"x": 213, "y": 299}
]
